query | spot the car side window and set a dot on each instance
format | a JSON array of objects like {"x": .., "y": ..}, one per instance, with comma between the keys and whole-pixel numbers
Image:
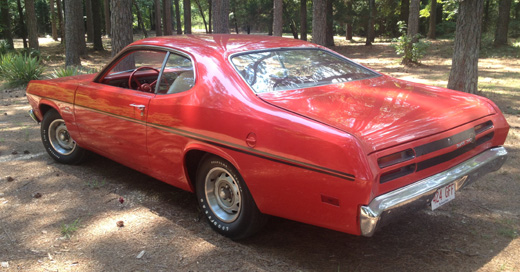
[
  {"x": 137, "y": 70},
  {"x": 178, "y": 75}
]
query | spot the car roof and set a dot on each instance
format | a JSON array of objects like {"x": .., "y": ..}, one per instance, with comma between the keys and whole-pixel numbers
[{"x": 222, "y": 44}]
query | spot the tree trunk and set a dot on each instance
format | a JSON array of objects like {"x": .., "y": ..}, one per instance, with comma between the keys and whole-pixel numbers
[
  {"x": 54, "y": 31},
  {"x": 5, "y": 23},
  {"x": 23, "y": 28},
  {"x": 210, "y": 13},
  {"x": 73, "y": 16},
  {"x": 90, "y": 21},
  {"x": 158, "y": 15},
  {"x": 202, "y": 15},
  {"x": 235, "y": 20},
  {"x": 97, "y": 19},
  {"x": 413, "y": 19},
  {"x": 486, "y": 20},
  {"x": 220, "y": 9},
  {"x": 303, "y": 20},
  {"x": 178, "y": 17},
  {"x": 405, "y": 10},
  {"x": 61, "y": 26},
  {"x": 187, "y": 16},
  {"x": 348, "y": 35},
  {"x": 32, "y": 27},
  {"x": 108, "y": 28},
  {"x": 277, "y": 18},
  {"x": 121, "y": 22},
  {"x": 433, "y": 20},
  {"x": 464, "y": 67},
  {"x": 140, "y": 21},
  {"x": 504, "y": 11},
  {"x": 370, "y": 27},
  {"x": 329, "y": 39},
  {"x": 167, "y": 20},
  {"x": 319, "y": 22}
]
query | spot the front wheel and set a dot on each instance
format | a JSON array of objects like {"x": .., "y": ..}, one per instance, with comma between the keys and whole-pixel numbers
[
  {"x": 226, "y": 201},
  {"x": 57, "y": 140}
]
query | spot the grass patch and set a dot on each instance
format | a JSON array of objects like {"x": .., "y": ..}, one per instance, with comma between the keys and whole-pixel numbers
[
  {"x": 95, "y": 183},
  {"x": 68, "y": 229}
]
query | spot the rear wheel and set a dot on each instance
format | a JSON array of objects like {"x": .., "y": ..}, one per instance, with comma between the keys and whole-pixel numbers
[
  {"x": 57, "y": 140},
  {"x": 226, "y": 201}
]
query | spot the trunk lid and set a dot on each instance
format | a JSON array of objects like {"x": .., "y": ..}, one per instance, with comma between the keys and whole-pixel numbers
[{"x": 383, "y": 111}]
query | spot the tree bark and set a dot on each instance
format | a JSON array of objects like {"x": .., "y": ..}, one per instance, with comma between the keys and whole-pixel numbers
[
  {"x": 32, "y": 27},
  {"x": 54, "y": 30},
  {"x": 167, "y": 20},
  {"x": 187, "y": 16},
  {"x": 121, "y": 22},
  {"x": 349, "y": 30},
  {"x": 464, "y": 67},
  {"x": 5, "y": 23},
  {"x": 319, "y": 22},
  {"x": 277, "y": 18},
  {"x": 370, "y": 27},
  {"x": 504, "y": 11},
  {"x": 486, "y": 20},
  {"x": 158, "y": 15},
  {"x": 303, "y": 20},
  {"x": 433, "y": 20},
  {"x": 413, "y": 19},
  {"x": 210, "y": 14},
  {"x": 108, "y": 28},
  {"x": 73, "y": 16},
  {"x": 220, "y": 9},
  {"x": 90, "y": 21},
  {"x": 23, "y": 29},
  {"x": 140, "y": 21},
  {"x": 329, "y": 39},
  {"x": 61, "y": 26},
  {"x": 178, "y": 17},
  {"x": 202, "y": 15},
  {"x": 97, "y": 19}
]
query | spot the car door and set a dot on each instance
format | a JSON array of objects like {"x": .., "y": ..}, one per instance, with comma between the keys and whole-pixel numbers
[{"x": 111, "y": 112}]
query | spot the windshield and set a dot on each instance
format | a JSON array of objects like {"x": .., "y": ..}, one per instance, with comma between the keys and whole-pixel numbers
[{"x": 289, "y": 69}]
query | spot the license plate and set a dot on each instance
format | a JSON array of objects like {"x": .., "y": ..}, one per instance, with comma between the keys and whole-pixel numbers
[{"x": 443, "y": 196}]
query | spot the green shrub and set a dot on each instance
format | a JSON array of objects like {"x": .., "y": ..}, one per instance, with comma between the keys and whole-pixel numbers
[
  {"x": 411, "y": 52},
  {"x": 71, "y": 71},
  {"x": 17, "y": 69},
  {"x": 4, "y": 47}
]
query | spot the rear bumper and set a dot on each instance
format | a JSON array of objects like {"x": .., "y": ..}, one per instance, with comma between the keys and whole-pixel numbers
[
  {"x": 384, "y": 208},
  {"x": 33, "y": 116}
]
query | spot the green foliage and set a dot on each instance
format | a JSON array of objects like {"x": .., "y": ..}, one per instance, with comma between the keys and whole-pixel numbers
[
  {"x": 411, "y": 51},
  {"x": 68, "y": 229},
  {"x": 19, "y": 69},
  {"x": 95, "y": 183},
  {"x": 4, "y": 47},
  {"x": 70, "y": 71}
]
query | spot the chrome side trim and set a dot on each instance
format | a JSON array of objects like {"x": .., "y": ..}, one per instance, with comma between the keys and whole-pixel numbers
[
  {"x": 387, "y": 207},
  {"x": 33, "y": 116}
]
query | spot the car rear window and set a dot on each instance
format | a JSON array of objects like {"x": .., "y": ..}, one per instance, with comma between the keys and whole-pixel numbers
[{"x": 289, "y": 69}]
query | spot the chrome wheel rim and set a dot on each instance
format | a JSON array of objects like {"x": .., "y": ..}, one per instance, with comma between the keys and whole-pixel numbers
[
  {"x": 223, "y": 194},
  {"x": 59, "y": 137}
]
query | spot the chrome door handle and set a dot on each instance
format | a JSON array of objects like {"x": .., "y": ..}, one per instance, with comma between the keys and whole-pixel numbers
[{"x": 140, "y": 107}]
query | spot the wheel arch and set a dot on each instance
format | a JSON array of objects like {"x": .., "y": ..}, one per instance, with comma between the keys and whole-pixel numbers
[{"x": 195, "y": 154}]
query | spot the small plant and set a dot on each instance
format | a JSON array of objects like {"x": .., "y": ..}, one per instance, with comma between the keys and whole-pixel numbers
[
  {"x": 411, "y": 48},
  {"x": 95, "y": 183},
  {"x": 19, "y": 69},
  {"x": 4, "y": 47},
  {"x": 68, "y": 229},
  {"x": 70, "y": 71}
]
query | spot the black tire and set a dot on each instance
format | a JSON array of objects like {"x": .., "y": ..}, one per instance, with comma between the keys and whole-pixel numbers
[
  {"x": 226, "y": 201},
  {"x": 57, "y": 141}
]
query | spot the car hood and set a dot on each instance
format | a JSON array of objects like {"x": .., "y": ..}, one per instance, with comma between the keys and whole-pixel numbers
[{"x": 383, "y": 111}]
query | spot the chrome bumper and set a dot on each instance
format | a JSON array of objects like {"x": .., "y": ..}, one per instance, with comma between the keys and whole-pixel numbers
[
  {"x": 33, "y": 116},
  {"x": 384, "y": 208}
]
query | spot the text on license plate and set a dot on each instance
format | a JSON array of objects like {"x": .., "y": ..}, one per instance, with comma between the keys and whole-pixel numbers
[{"x": 443, "y": 196}]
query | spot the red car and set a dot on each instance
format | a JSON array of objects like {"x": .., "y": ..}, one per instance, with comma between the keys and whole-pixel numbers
[{"x": 259, "y": 126}]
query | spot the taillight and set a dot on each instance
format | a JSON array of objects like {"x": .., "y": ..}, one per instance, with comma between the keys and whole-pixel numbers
[{"x": 396, "y": 158}]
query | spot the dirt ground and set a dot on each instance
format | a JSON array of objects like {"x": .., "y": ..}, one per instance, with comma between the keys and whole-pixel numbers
[{"x": 56, "y": 217}]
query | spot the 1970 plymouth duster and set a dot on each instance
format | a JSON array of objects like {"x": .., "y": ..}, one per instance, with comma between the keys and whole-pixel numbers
[{"x": 259, "y": 126}]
